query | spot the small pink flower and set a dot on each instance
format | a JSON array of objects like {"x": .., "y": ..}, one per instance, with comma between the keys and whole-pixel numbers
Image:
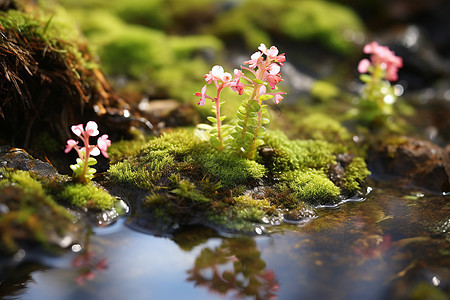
[
  {"x": 77, "y": 129},
  {"x": 384, "y": 57},
  {"x": 280, "y": 59},
  {"x": 237, "y": 86},
  {"x": 92, "y": 128},
  {"x": 278, "y": 97},
  {"x": 70, "y": 145},
  {"x": 202, "y": 95},
  {"x": 255, "y": 58},
  {"x": 262, "y": 48},
  {"x": 209, "y": 77},
  {"x": 272, "y": 52},
  {"x": 363, "y": 66},
  {"x": 102, "y": 144},
  {"x": 225, "y": 77},
  {"x": 274, "y": 69},
  {"x": 217, "y": 72},
  {"x": 273, "y": 80}
]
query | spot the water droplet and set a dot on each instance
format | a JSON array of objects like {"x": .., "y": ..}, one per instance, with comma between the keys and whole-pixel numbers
[
  {"x": 76, "y": 247},
  {"x": 435, "y": 281}
]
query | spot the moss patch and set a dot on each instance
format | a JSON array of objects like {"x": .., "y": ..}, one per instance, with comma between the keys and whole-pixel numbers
[
  {"x": 88, "y": 195},
  {"x": 26, "y": 209},
  {"x": 189, "y": 182}
]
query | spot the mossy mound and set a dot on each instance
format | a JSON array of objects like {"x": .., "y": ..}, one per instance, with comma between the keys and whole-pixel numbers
[
  {"x": 256, "y": 21},
  {"x": 25, "y": 211},
  {"x": 159, "y": 64},
  {"x": 51, "y": 80},
  {"x": 187, "y": 181}
]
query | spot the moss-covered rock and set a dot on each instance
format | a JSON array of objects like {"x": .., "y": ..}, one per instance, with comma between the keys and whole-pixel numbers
[
  {"x": 189, "y": 182},
  {"x": 25, "y": 211}
]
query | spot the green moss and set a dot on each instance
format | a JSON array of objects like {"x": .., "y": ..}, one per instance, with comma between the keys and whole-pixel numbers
[
  {"x": 299, "y": 20},
  {"x": 355, "y": 174},
  {"x": 150, "y": 13},
  {"x": 229, "y": 169},
  {"x": 28, "y": 206},
  {"x": 321, "y": 127},
  {"x": 324, "y": 91},
  {"x": 312, "y": 186},
  {"x": 300, "y": 154},
  {"x": 166, "y": 154},
  {"x": 307, "y": 20},
  {"x": 88, "y": 195}
]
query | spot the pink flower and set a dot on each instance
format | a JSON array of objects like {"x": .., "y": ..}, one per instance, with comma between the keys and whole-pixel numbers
[
  {"x": 209, "y": 77},
  {"x": 237, "y": 86},
  {"x": 217, "y": 72},
  {"x": 77, "y": 129},
  {"x": 273, "y": 69},
  {"x": 363, "y": 65},
  {"x": 273, "y": 80},
  {"x": 202, "y": 95},
  {"x": 280, "y": 59},
  {"x": 70, "y": 145},
  {"x": 278, "y": 97},
  {"x": 225, "y": 77},
  {"x": 102, "y": 144},
  {"x": 272, "y": 52},
  {"x": 92, "y": 128},
  {"x": 255, "y": 58},
  {"x": 384, "y": 57},
  {"x": 262, "y": 48}
]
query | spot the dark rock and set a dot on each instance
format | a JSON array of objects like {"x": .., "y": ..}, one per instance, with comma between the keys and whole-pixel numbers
[
  {"x": 15, "y": 158},
  {"x": 418, "y": 162}
]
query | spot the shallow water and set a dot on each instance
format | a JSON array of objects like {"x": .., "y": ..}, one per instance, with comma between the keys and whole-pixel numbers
[{"x": 396, "y": 244}]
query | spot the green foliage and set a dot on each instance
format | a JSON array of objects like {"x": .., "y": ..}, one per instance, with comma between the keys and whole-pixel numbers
[
  {"x": 186, "y": 189},
  {"x": 355, "y": 174},
  {"x": 255, "y": 21},
  {"x": 308, "y": 20},
  {"x": 324, "y": 91},
  {"x": 87, "y": 195},
  {"x": 311, "y": 185},
  {"x": 231, "y": 170},
  {"x": 159, "y": 158},
  {"x": 301, "y": 154},
  {"x": 249, "y": 131},
  {"x": 149, "y": 13},
  {"x": 78, "y": 170},
  {"x": 126, "y": 148},
  {"x": 242, "y": 213},
  {"x": 28, "y": 207},
  {"x": 321, "y": 127},
  {"x": 169, "y": 65}
]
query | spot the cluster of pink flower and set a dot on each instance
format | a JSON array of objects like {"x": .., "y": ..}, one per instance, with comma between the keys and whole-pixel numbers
[
  {"x": 264, "y": 70},
  {"x": 91, "y": 130},
  {"x": 383, "y": 57}
]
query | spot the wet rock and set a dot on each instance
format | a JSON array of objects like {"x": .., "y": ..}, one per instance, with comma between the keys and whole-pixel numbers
[
  {"x": 418, "y": 162},
  {"x": 15, "y": 158}
]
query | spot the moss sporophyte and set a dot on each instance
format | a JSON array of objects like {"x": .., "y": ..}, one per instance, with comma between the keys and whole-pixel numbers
[
  {"x": 81, "y": 170},
  {"x": 245, "y": 137}
]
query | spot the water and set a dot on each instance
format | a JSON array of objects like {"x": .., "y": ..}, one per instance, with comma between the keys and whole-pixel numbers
[{"x": 394, "y": 245}]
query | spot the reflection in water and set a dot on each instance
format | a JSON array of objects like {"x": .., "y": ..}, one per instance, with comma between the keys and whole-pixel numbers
[
  {"x": 86, "y": 264},
  {"x": 394, "y": 245},
  {"x": 234, "y": 267}
]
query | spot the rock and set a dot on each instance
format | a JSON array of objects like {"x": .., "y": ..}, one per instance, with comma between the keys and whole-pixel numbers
[
  {"x": 418, "y": 162},
  {"x": 15, "y": 158}
]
